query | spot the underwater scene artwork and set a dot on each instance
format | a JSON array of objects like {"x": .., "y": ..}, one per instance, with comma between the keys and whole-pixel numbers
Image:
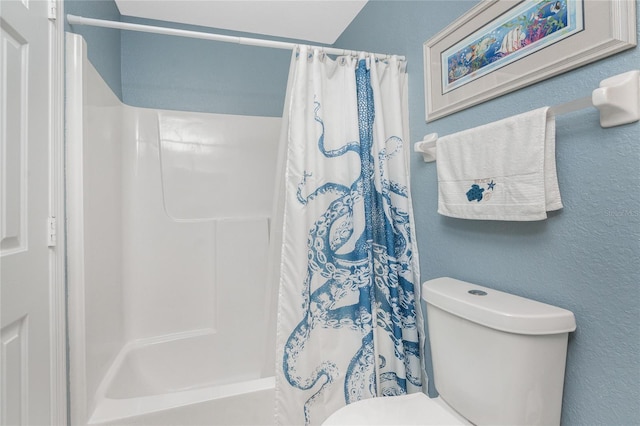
[{"x": 523, "y": 30}]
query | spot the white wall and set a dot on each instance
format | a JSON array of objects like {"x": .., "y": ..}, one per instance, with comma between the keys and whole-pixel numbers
[{"x": 180, "y": 258}]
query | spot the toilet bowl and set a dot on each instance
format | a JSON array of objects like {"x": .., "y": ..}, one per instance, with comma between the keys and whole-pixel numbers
[
  {"x": 412, "y": 409},
  {"x": 497, "y": 359}
]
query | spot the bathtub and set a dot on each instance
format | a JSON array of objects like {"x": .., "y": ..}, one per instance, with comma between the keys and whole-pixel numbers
[{"x": 171, "y": 381}]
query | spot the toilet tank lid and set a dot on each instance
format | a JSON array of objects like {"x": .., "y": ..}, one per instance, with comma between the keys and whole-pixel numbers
[{"x": 496, "y": 309}]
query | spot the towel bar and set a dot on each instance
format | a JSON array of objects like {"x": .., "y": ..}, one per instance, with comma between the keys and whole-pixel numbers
[{"x": 617, "y": 99}]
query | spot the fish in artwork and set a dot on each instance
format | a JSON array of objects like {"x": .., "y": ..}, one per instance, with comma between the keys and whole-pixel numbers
[
  {"x": 548, "y": 10},
  {"x": 457, "y": 70},
  {"x": 512, "y": 41},
  {"x": 478, "y": 50}
]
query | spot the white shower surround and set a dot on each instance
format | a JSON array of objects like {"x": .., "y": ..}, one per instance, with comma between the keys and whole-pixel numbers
[{"x": 167, "y": 321}]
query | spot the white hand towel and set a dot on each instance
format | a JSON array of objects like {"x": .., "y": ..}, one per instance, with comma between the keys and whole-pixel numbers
[{"x": 505, "y": 170}]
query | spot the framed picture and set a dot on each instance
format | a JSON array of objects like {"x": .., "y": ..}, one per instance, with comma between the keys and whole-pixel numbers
[{"x": 503, "y": 45}]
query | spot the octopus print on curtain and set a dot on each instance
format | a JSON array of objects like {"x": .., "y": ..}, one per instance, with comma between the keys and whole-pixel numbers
[{"x": 349, "y": 326}]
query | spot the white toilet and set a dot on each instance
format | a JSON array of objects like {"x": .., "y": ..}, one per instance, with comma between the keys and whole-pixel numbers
[{"x": 498, "y": 359}]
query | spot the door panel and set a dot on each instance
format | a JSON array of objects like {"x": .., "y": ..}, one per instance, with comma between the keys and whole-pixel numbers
[
  {"x": 24, "y": 209},
  {"x": 15, "y": 61}
]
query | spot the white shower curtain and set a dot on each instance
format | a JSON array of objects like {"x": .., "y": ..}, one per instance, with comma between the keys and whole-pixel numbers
[{"x": 349, "y": 320}]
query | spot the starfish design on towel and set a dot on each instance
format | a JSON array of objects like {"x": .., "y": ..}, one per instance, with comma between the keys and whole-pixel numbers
[{"x": 491, "y": 184}]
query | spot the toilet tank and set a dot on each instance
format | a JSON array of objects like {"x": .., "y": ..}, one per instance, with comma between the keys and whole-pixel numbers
[{"x": 498, "y": 359}]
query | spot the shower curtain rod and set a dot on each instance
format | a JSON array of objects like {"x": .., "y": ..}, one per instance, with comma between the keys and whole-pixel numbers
[{"x": 81, "y": 20}]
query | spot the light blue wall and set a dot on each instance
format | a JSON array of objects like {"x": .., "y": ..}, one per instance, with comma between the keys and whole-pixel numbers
[
  {"x": 199, "y": 75},
  {"x": 103, "y": 44},
  {"x": 584, "y": 258},
  {"x": 155, "y": 71}
]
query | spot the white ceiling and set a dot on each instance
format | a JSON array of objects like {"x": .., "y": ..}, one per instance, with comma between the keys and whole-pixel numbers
[{"x": 317, "y": 21}]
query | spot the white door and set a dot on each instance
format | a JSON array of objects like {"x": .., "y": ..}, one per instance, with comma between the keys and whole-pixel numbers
[{"x": 26, "y": 293}]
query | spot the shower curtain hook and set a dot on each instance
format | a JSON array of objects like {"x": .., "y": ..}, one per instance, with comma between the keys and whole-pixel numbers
[{"x": 317, "y": 53}]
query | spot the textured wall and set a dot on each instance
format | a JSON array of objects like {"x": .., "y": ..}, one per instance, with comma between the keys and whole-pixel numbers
[
  {"x": 205, "y": 76},
  {"x": 584, "y": 258},
  {"x": 103, "y": 44},
  {"x": 164, "y": 72}
]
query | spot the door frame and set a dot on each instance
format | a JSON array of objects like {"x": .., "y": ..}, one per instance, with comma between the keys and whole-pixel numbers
[{"x": 59, "y": 391}]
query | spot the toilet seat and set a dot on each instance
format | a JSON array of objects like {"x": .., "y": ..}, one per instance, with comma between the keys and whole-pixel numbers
[{"x": 412, "y": 409}]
